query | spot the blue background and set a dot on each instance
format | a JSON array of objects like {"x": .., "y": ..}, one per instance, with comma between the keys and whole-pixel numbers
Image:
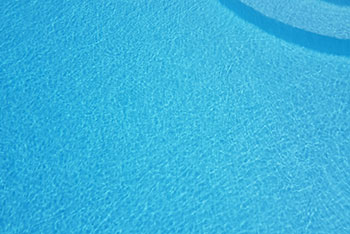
[{"x": 170, "y": 117}]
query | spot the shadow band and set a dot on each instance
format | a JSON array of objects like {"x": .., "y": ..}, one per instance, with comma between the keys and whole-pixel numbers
[
  {"x": 339, "y": 2},
  {"x": 314, "y": 41}
]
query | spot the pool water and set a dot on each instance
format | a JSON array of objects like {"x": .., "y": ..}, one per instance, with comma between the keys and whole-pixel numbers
[{"x": 205, "y": 116}]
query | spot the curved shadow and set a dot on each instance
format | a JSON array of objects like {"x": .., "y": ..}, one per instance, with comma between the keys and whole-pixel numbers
[
  {"x": 339, "y": 2},
  {"x": 317, "y": 42}
]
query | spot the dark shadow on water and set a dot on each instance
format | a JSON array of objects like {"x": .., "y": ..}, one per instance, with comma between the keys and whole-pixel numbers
[
  {"x": 339, "y": 2},
  {"x": 314, "y": 41}
]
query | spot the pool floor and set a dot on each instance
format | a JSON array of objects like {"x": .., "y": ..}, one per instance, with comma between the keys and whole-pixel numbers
[{"x": 170, "y": 117}]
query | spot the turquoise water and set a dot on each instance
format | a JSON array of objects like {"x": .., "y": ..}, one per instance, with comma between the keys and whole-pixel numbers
[{"x": 172, "y": 117}]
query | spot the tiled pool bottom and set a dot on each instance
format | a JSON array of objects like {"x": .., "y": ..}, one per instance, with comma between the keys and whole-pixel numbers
[{"x": 167, "y": 117}]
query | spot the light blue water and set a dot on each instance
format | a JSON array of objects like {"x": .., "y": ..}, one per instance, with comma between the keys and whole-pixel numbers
[{"x": 171, "y": 117}]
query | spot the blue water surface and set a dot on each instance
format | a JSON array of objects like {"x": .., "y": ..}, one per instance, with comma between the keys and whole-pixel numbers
[{"x": 171, "y": 117}]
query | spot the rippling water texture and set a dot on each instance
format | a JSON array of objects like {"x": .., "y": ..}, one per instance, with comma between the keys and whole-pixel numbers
[{"x": 209, "y": 116}]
